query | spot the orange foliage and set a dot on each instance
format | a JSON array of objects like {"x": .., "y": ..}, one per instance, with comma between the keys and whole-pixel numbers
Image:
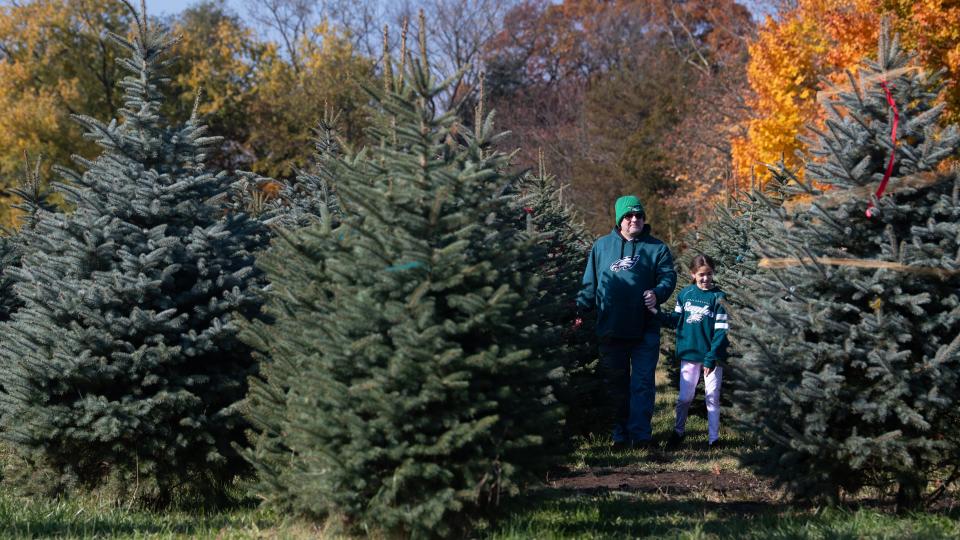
[
  {"x": 821, "y": 39},
  {"x": 271, "y": 189}
]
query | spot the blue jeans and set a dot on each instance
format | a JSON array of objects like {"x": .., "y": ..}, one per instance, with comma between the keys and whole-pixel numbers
[{"x": 627, "y": 368}]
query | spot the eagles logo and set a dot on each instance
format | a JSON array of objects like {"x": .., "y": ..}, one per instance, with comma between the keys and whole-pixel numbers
[
  {"x": 696, "y": 313},
  {"x": 625, "y": 263}
]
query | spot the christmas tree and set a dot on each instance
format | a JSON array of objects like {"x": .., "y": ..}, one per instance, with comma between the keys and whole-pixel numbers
[
  {"x": 9, "y": 257},
  {"x": 851, "y": 334},
  {"x": 407, "y": 382},
  {"x": 305, "y": 200},
  {"x": 34, "y": 197},
  {"x": 123, "y": 364},
  {"x": 737, "y": 223},
  {"x": 540, "y": 207},
  {"x": 726, "y": 239}
]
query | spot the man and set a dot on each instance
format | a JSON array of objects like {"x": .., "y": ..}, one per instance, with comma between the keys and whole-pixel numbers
[{"x": 629, "y": 273}]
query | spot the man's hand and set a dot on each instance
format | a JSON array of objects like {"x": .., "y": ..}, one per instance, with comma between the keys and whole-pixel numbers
[
  {"x": 577, "y": 323},
  {"x": 708, "y": 370},
  {"x": 650, "y": 300}
]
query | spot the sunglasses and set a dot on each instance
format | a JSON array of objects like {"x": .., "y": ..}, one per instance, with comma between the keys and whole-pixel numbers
[{"x": 633, "y": 215}]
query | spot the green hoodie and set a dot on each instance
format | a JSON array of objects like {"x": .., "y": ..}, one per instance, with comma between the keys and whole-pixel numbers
[{"x": 618, "y": 272}]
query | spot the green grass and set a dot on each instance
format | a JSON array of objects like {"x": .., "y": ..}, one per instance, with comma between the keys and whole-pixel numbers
[
  {"x": 666, "y": 495},
  {"x": 26, "y": 518},
  {"x": 626, "y": 515}
]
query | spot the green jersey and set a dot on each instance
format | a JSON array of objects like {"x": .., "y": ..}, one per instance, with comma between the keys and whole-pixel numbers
[{"x": 701, "y": 323}]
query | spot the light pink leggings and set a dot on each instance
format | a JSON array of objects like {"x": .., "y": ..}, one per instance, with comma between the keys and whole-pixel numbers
[{"x": 689, "y": 377}]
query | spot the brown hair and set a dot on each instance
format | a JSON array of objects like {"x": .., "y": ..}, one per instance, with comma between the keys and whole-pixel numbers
[{"x": 700, "y": 261}]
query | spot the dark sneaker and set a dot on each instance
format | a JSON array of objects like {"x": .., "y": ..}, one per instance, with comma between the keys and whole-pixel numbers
[
  {"x": 645, "y": 444},
  {"x": 675, "y": 441},
  {"x": 715, "y": 445},
  {"x": 619, "y": 446}
]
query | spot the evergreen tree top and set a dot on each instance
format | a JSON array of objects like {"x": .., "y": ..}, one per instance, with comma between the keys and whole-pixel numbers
[
  {"x": 853, "y": 148},
  {"x": 148, "y": 165}
]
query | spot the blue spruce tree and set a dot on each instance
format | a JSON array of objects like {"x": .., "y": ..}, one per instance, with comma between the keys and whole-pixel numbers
[
  {"x": 850, "y": 333},
  {"x": 123, "y": 365},
  {"x": 34, "y": 197},
  {"x": 9, "y": 257}
]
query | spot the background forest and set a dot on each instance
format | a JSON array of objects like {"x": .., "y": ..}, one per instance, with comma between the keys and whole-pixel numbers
[{"x": 681, "y": 102}]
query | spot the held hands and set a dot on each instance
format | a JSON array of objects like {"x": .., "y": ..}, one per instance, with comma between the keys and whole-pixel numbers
[
  {"x": 707, "y": 371},
  {"x": 650, "y": 300}
]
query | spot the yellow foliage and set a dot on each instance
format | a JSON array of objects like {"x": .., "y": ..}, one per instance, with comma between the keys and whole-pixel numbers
[
  {"x": 288, "y": 101},
  {"x": 221, "y": 61},
  {"x": 821, "y": 39},
  {"x": 56, "y": 60},
  {"x": 51, "y": 65}
]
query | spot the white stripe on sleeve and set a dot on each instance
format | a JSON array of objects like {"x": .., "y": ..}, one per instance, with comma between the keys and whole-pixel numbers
[
  {"x": 721, "y": 326},
  {"x": 721, "y": 316}
]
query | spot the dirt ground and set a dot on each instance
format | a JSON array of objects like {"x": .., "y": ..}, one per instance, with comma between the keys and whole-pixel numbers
[
  {"x": 666, "y": 482},
  {"x": 746, "y": 493}
]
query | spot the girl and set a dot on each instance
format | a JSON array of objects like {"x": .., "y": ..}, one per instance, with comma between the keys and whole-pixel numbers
[{"x": 701, "y": 323}]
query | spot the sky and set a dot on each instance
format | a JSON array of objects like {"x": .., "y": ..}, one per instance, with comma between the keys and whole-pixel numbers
[{"x": 170, "y": 7}]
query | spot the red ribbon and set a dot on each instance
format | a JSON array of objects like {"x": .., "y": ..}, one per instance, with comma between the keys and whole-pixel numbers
[
  {"x": 893, "y": 151},
  {"x": 528, "y": 210}
]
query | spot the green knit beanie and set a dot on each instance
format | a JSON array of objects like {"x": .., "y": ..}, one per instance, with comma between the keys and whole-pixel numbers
[{"x": 626, "y": 205}]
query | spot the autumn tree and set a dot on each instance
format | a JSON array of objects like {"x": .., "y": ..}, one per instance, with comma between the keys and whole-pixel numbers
[
  {"x": 217, "y": 53},
  {"x": 265, "y": 91},
  {"x": 289, "y": 99},
  {"x": 626, "y": 115},
  {"x": 711, "y": 37},
  {"x": 55, "y": 60},
  {"x": 459, "y": 32},
  {"x": 820, "y": 39},
  {"x": 617, "y": 79},
  {"x": 291, "y": 20},
  {"x": 539, "y": 69}
]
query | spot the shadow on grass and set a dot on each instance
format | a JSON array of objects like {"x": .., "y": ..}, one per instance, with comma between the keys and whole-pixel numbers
[
  {"x": 597, "y": 452},
  {"x": 616, "y": 516},
  {"x": 41, "y": 526},
  {"x": 558, "y": 513}
]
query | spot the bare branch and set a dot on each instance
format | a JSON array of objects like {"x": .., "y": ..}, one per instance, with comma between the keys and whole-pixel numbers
[{"x": 291, "y": 19}]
